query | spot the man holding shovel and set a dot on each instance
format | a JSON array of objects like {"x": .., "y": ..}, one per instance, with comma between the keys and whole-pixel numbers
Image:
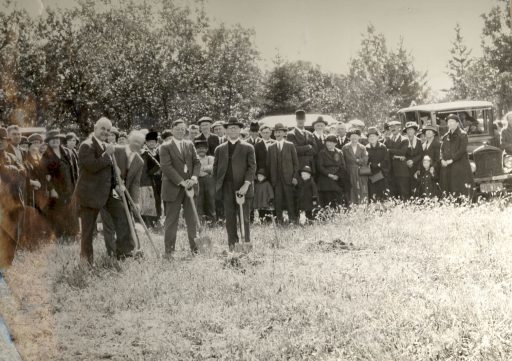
[
  {"x": 234, "y": 169},
  {"x": 180, "y": 168}
]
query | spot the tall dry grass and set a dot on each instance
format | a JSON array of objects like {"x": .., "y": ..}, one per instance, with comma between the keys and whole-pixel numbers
[{"x": 406, "y": 283}]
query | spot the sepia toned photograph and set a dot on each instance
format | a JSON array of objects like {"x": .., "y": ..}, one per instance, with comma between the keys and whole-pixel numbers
[{"x": 263, "y": 180}]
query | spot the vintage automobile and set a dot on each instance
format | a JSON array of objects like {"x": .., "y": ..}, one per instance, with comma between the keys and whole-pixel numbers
[{"x": 492, "y": 170}]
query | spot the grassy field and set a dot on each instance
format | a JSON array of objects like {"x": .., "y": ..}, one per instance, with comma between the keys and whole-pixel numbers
[{"x": 410, "y": 283}]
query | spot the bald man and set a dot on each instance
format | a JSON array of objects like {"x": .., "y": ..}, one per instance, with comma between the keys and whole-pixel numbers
[{"x": 96, "y": 188}]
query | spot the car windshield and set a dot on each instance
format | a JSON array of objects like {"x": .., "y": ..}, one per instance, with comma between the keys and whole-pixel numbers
[{"x": 474, "y": 122}]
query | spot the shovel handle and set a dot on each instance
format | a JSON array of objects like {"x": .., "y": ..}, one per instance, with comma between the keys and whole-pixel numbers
[
  {"x": 190, "y": 194},
  {"x": 240, "y": 198}
]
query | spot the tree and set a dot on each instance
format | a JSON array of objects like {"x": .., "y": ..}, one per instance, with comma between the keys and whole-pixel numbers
[
  {"x": 381, "y": 81},
  {"x": 458, "y": 66}
]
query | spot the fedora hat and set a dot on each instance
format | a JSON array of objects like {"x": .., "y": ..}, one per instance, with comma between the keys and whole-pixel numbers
[
  {"x": 373, "y": 130},
  {"x": 54, "y": 134},
  {"x": 280, "y": 126},
  {"x": 254, "y": 126},
  {"x": 233, "y": 121},
  {"x": 430, "y": 127},
  {"x": 394, "y": 122},
  {"x": 320, "y": 119}
]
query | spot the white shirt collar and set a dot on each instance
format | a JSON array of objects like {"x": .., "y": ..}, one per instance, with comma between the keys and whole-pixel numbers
[
  {"x": 233, "y": 141},
  {"x": 99, "y": 141}
]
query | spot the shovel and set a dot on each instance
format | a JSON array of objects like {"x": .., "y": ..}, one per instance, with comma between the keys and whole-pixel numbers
[
  {"x": 203, "y": 242},
  {"x": 242, "y": 247}
]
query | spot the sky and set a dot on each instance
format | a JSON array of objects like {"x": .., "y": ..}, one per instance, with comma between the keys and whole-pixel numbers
[{"x": 328, "y": 32}]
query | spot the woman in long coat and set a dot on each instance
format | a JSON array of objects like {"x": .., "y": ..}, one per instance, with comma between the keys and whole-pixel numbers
[
  {"x": 61, "y": 179},
  {"x": 456, "y": 178},
  {"x": 37, "y": 192},
  {"x": 355, "y": 155},
  {"x": 147, "y": 184},
  {"x": 413, "y": 154},
  {"x": 331, "y": 174},
  {"x": 378, "y": 160}
]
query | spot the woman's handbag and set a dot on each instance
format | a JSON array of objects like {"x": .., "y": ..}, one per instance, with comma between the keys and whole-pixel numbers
[
  {"x": 374, "y": 178},
  {"x": 365, "y": 171}
]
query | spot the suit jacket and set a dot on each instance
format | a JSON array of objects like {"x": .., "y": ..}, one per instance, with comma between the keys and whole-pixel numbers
[
  {"x": 261, "y": 155},
  {"x": 341, "y": 142},
  {"x": 95, "y": 175},
  {"x": 172, "y": 164},
  {"x": 213, "y": 142},
  {"x": 399, "y": 148},
  {"x": 130, "y": 176},
  {"x": 12, "y": 181},
  {"x": 10, "y": 149},
  {"x": 305, "y": 145},
  {"x": 254, "y": 142},
  {"x": 320, "y": 144},
  {"x": 287, "y": 168},
  {"x": 243, "y": 163}
]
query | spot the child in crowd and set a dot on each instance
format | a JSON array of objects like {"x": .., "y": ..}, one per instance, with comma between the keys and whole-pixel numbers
[
  {"x": 427, "y": 180},
  {"x": 263, "y": 197},
  {"x": 206, "y": 198},
  {"x": 307, "y": 193}
]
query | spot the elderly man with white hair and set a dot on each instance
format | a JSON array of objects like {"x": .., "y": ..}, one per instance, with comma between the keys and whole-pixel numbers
[
  {"x": 130, "y": 165},
  {"x": 97, "y": 188}
]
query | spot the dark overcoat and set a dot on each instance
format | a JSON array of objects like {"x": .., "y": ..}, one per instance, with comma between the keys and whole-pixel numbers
[{"x": 456, "y": 179}]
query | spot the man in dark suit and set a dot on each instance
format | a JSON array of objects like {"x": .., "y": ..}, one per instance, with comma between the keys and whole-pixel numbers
[
  {"x": 234, "y": 170},
  {"x": 205, "y": 126},
  {"x": 130, "y": 166},
  {"x": 180, "y": 171},
  {"x": 432, "y": 147},
  {"x": 97, "y": 188},
  {"x": 397, "y": 146},
  {"x": 303, "y": 141},
  {"x": 341, "y": 135},
  {"x": 261, "y": 148},
  {"x": 283, "y": 164},
  {"x": 319, "y": 134},
  {"x": 254, "y": 134}
]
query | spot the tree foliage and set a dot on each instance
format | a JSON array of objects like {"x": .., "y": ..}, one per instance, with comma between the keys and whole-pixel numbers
[
  {"x": 458, "y": 66},
  {"x": 382, "y": 80},
  {"x": 141, "y": 64}
]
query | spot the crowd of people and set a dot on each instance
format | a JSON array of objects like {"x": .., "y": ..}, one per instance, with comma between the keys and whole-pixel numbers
[{"x": 53, "y": 186}]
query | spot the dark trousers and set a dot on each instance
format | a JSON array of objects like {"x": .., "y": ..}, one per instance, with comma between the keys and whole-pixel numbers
[
  {"x": 284, "y": 199},
  {"x": 117, "y": 244},
  {"x": 402, "y": 187},
  {"x": 157, "y": 191},
  {"x": 231, "y": 210},
  {"x": 206, "y": 198},
  {"x": 172, "y": 216},
  {"x": 114, "y": 208}
]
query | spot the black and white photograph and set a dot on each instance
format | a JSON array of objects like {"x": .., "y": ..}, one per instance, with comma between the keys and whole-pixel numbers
[{"x": 187, "y": 180}]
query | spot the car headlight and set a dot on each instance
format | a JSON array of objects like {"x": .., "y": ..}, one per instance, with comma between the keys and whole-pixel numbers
[{"x": 473, "y": 166}]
